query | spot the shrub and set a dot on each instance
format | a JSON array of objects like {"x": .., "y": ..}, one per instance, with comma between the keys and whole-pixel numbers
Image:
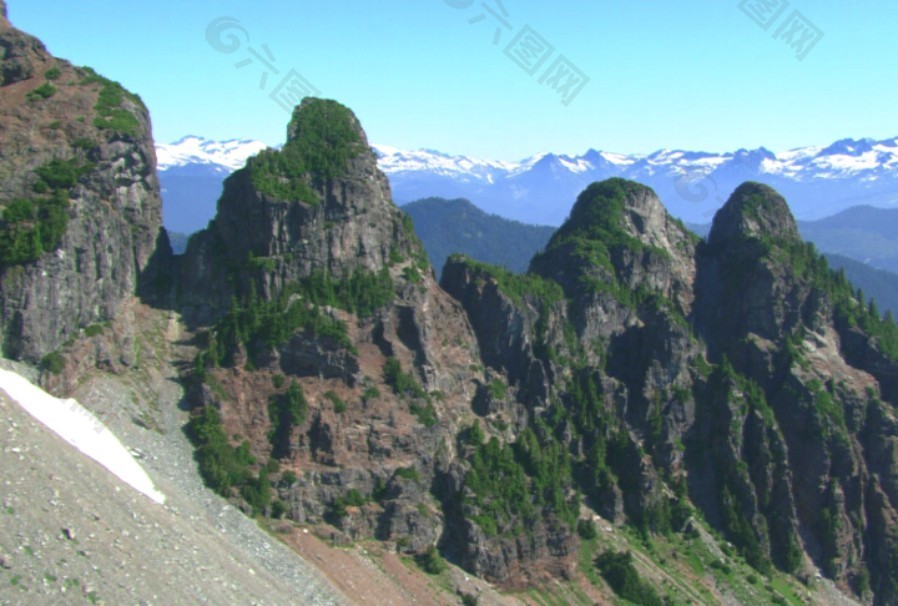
[
  {"x": 53, "y": 363},
  {"x": 402, "y": 383},
  {"x": 339, "y": 404},
  {"x": 110, "y": 113},
  {"x": 53, "y": 73},
  {"x": 407, "y": 473},
  {"x": 431, "y": 561},
  {"x": 44, "y": 91},
  {"x": 285, "y": 412},
  {"x": 586, "y": 529},
  {"x": 370, "y": 393},
  {"x": 618, "y": 570}
]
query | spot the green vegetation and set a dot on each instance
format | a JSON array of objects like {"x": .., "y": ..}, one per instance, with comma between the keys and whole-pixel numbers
[
  {"x": 407, "y": 473},
  {"x": 516, "y": 487},
  {"x": 338, "y": 403},
  {"x": 111, "y": 115},
  {"x": 371, "y": 393},
  {"x": 426, "y": 413},
  {"x": 361, "y": 292},
  {"x": 94, "y": 329},
  {"x": 431, "y": 561},
  {"x": 30, "y": 227},
  {"x": 53, "y": 73},
  {"x": 516, "y": 287},
  {"x": 44, "y": 91},
  {"x": 406, "y": 385},
  {"x": 497, "y": 389},
  {"x": 259, "y": 324},
  {"x": 53, "y": 363},
  {"x": 596, "y": 225},
  {"x": 618, "y": 570},
  {"x": 402, "y": 383},
  {"x": 223, "y": 466},
  {"x": 285, "y": 411},
  {"x": 352, "y": 498},
  {"x": 586, "y": 529},
  {"x": 324, "y": 137}
]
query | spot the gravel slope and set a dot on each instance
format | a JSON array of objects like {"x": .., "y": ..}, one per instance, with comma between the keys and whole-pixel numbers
[{"x": 70, "y": 532}]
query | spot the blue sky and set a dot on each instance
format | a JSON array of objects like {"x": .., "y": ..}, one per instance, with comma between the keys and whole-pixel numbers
[{"x": 690, "y": 74}]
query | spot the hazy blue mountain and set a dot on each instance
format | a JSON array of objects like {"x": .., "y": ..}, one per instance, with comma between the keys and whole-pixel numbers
[
  {"x": 457, "y": 226},
  {"x": 178, "y": 242},
  {"x": 191, "y": 171},
  {"x": 878, "y": 284},
  {"x": 863, "y": 233}
]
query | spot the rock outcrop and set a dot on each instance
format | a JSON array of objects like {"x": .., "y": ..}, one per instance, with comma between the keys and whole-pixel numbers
[
  {"x": 738, "y": 372},
  {"x": 82, "y": 219}
]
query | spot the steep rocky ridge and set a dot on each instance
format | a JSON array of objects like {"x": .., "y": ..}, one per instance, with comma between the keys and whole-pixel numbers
[
  {"x": 381, "y": 371},
  {"x": 738, "y": 371},
  {"x": 82, "y": 218}
]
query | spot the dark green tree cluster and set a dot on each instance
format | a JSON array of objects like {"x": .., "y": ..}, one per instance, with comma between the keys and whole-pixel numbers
[
  {"x": 285, "y": 411},
  {"x": 406, "y": 385},
  {"x": 111, "y": 116},
  {"x": 618, "y": 571},
  {"x": 515, "y": 286},
  {"x": 223, "y": 466},
  {"x": 323, "y": 138},
  {"x": 259, "y": 325},
  {"x": 30, "y": 227},
  {"x": 596, "y": 229},
  {"x": 514, "y": 487},
  {"x": 402, "y": 383},
  {"x": 361, "y": 292}
]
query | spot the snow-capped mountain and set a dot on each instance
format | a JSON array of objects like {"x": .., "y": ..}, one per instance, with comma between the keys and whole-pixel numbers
[
  {"x": 191, "y": 150},
  {"x": 191, "y": 171},
  {"x": 817, "y": 182}
]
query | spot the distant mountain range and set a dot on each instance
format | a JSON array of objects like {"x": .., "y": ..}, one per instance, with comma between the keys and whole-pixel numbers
[
  {"x": 457, "y": 226},
  {"x": 817, "y": 182},
  {"x": 191, "y": 171}
]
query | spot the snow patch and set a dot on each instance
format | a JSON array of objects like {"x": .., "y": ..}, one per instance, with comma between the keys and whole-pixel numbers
[{"x": 77, "y": 426}]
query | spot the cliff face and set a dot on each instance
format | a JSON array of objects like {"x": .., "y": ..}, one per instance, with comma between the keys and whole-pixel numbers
[
  {"x": 319, "y": 204},
  {"x": 739, "y": 372},
  {"x": 82, "y": 213}
]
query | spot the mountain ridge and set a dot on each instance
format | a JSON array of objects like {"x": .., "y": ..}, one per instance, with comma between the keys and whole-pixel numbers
[{"x": 817, "y": 181}]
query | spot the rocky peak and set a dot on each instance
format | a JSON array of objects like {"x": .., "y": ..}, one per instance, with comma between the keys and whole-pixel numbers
[
  {"x": 619, "y": 232},
  {"x": 754, "y": 211},
  {"x": 82, "y": 213},
  {"x": 318, "y": 204},
  {"x": 618, "y": 207},
  {"x": 21, "y": 54},
  {"x": 327, "y": 122}
]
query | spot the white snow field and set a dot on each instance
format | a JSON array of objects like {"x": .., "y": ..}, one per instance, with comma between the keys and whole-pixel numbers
[{"x": 77, "y": 426}]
